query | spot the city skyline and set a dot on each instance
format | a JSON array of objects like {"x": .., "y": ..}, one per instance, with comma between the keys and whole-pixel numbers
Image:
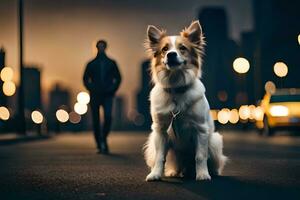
[{"x": 51, "y": 29}]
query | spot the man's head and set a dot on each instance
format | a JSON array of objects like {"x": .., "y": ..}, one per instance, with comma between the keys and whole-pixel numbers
[{"x": 101, "y": 46}]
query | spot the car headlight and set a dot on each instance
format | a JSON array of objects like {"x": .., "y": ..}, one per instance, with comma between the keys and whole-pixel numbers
[{"x": 279, "y": 111}]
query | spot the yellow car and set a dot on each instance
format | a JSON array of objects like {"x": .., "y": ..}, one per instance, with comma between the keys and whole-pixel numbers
[{"x": 281, "y": 111}]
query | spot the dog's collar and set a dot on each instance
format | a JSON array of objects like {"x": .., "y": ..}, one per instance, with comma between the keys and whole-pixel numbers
[{"x": 178, "y": 90}]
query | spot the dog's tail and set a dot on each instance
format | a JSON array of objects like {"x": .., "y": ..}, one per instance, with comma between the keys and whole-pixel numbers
[
  {"x": 217, "y": 160},
  {"x": 149, "y": 151}
]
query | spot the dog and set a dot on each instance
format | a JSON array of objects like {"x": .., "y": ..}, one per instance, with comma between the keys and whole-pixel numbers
[{"x": 183, "y": 132}]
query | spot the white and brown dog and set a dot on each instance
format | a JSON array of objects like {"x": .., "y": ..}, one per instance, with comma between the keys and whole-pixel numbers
[{"x": 182, "y": 130}]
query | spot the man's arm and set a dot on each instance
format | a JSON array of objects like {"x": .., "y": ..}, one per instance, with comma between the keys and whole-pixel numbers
[
  {"x": 117, "y": 77},
  {"x": 87, "y": 78}
]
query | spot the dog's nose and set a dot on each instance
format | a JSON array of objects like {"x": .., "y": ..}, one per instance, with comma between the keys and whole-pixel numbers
[{"x": 172, "y": 56}]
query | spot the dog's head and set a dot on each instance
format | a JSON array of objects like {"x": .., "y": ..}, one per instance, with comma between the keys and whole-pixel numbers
[{"x": 176, "y": 60}]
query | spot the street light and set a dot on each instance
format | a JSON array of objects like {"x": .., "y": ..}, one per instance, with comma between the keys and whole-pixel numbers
[
  {"x": 241, "y": 65},
  {"x": 270, "y": 87},
  {"x": 4, "y": 113},
  {"x": 280, "y": 69},
  {"x": 62, "y": 115},
  {"x": 223, "y": 116},
  {"x": 234, "y": 116},
  {"x": 83, "y": 98},
  {"x": 37, "y": 117},
  {"x": 7, "y": 74},
  {"x": 244, "y": 112},
  {"x": 9, "y": 88},
  {"x": 80, "y": 108}
]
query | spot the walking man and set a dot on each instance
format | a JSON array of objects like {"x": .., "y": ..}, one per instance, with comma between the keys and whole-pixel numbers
[{"x": 102, "y": 79}]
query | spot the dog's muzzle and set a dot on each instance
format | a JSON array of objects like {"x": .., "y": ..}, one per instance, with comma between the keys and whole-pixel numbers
[{"x": 172, "y": 60}]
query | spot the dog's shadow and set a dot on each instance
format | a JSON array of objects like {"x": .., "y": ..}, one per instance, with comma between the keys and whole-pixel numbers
[{"x": 225, "y": 187}]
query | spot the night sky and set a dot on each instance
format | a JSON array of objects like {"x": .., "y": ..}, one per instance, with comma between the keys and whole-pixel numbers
[{"x": 59, "y": 34}]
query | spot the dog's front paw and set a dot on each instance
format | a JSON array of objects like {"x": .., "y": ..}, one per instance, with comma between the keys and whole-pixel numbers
[
  {"x": 153, "y": 176},
  {"x": 171, "y": 173},
  {"x": 203, "y": 176}
]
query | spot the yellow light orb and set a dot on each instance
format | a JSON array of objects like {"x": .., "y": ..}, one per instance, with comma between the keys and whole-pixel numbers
[
  {"x": 299, "y": 39},
  {"x": 241, "y": 65},
  {"x": 4, "y": 113},
  {"x": 37, "y": 117},
  {"x": 223, "y": 116},
  {"x": 7, "y": 74},
  {"x": 62, "y": 115},
  {"x": 234, "y": 116},
  {"x": 259, "y": 114},
  {"x": 280, "y": 69},
  {"x": 244, "y": 112},
  {"x": 270, "y": 87},
  {"x": 252, "y": 111},
  {"x": 80, "y": 108},
  {"x": 9, "y": 88},
  {"x": 83, "y": 98},
  {"x": 214, "y": 114},
  {"x": 74, "y": 118}
]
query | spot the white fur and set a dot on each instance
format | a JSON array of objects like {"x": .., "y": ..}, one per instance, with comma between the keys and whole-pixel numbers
[
  {"x": 163, "y": 152},
  {"x": 173, "y": 48}
]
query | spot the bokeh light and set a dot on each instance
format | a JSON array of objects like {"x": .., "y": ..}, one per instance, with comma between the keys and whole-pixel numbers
[
  {"x": 270, "y": 87},
  {"x": 259, "y": 114},
  {"x": 80, "y": 108},
  {"x": 299, "y": 39},
  {"x": 7, "y": 74},
  {"x": 222, "y": 95},
  {"x": 234, "y": 116},
  {"x": 252, "y": 111},
  {"x": 241, "y": 65},
  {"x": 244, "y": 112},
  {"x": 223, "y": 116},
  {"x": 214, "y": 114},
  {"x": 280, "y": 69},
  {"x": 37, "y": 117},
  {"x": 83, "y": 98},
  {"x": 9, "y": 88},
  {"x": 279, "y": 111},
  {"x": 62, "y": 115},
  {"x": 4, "y": 113},
  {"x": 74, "y": 117}
]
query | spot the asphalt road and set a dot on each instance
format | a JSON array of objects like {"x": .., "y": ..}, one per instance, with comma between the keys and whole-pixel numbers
[{"x": 67, "y": 167}]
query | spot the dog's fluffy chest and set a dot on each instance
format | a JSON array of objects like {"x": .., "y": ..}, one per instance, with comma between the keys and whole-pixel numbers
[{"x": 166, "y": 103}]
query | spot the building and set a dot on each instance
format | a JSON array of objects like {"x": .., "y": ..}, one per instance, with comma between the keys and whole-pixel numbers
[
  {"x": 277, "y": 27},
  {"x": 143, "y": 103},
  {"x": 119, "y": 113},
  {"x": 3, "y": 98},
  {"x": 32, "y": 89},
  {"x": 59, "y": 97},
  {"x": 218, "y": 75}
]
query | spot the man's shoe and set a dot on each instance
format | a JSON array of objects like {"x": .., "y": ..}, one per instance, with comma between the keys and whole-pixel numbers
[{"x": 104, "y": 148}]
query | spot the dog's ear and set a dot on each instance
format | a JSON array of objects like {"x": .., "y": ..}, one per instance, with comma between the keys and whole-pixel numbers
[
  {"x": 194, "y": 33},
  {"x": 154, "y": 35}
]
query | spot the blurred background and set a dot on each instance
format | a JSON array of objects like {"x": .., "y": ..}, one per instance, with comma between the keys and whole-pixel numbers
[{"x": 251, "y": 66}]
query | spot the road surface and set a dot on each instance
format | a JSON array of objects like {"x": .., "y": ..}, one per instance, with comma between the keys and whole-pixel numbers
[{"x": 67, "y": 167}]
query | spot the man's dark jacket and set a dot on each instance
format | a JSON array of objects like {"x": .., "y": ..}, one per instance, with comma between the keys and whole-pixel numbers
[{"x": 102, "y": 76}]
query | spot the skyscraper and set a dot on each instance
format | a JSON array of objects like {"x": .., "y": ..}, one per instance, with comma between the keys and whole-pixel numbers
[
  {"x": 277, "y": 27},
  {"x": 59, "y": 97},
  {"x": 143, "y": 104},
  {"x": 32, "y": 88},
  {"x": 3, "y": 99},
  {"x": 220, "y": 51}
]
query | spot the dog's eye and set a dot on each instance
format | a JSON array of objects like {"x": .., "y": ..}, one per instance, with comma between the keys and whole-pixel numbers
[
  {"x": 182, "y": 48},
  {"x": 165, "y": 49}
]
